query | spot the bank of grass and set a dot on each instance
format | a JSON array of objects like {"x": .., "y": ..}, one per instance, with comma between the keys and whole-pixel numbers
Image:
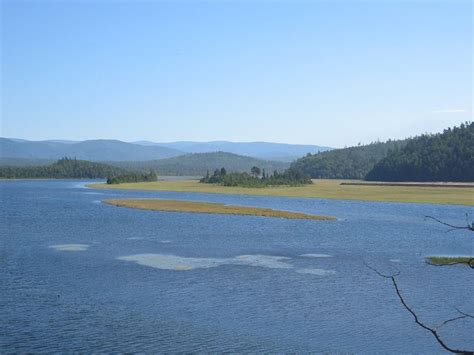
[
  {"x": 206, "y": 207},
  {"x": 331, "y": 189},
  {"x": 450, "y": 260}
]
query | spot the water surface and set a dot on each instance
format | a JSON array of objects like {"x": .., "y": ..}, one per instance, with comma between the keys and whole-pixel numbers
[{"x": 79, "y": 275}]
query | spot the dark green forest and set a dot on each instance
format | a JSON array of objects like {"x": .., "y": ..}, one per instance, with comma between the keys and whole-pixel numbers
[
  {"x": 348, "y": 163},
  {"x": 132, "y": 177},
  {"x": 447, "y": 156},
  {"x": 257, "y": 178},
  {"x": 65, "y": 168}
]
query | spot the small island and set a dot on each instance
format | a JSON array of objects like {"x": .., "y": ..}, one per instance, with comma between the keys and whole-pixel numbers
[
  {"x": 212, "y": 208},
  {"x": 257, "y": 178},
  {"x": 450, "y": 260}
]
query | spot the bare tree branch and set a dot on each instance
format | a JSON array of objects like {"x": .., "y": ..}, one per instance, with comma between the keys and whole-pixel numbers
[
  {"x": 463, "y": 315},
  {"x": 450, "y": 320},
  {"x": 468, "y": 226},
  {"x": 415, "y": 316}
]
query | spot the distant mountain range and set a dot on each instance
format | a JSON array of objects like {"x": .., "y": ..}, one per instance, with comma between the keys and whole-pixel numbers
[
  {"x": 197, "y": 164},
  {"x": 114, "y": 150},
  {"x": 260, "y": 150}
]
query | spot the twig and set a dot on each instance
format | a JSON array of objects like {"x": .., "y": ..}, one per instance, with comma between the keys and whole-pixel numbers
[
  {"x": 417, "y": 320},
  {"x": 463, "y": 315},
  {"x": 468, "y": 227}
]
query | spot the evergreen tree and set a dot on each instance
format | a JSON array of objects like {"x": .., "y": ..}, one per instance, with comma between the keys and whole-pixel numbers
[{"x": 447, "y": 156}]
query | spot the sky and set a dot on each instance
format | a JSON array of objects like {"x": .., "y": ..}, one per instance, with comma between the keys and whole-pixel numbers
[{"x": 332, "y": 73}]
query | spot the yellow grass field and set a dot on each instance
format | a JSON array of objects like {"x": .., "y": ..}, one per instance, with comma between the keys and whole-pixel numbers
[
  {"x": 331, "y": 189},
  {"x": 206, "y": 207}
]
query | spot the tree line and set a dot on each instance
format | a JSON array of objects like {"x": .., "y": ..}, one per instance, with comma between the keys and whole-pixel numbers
[
  {"x": 447, "y": 156},
  {"x": 347, "y": 163},
  {"x": 65, "y": 168},
  {"x": 257, "y": 178},
  {"x": 132, "y": 177}
]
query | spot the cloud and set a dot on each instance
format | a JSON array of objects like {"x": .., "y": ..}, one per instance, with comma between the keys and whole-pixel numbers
[{"x": 437, "y": 112}]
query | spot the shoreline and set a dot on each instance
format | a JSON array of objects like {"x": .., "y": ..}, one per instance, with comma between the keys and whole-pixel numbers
[
  {"x": 412, "y": 184},
  {"x": 321, "y": 189}
]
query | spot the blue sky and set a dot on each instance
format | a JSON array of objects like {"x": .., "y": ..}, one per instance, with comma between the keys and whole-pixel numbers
[{"x": 315, "y": 72}]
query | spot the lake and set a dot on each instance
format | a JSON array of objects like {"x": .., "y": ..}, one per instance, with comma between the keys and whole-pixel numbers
[{"x": 81, "y": 276}]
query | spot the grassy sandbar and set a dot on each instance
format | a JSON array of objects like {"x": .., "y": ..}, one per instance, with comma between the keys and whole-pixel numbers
[
  {"x": 331, "y": 189},
  {"x": 450, "y": 260},
  {"x": 206, "y": 207}
]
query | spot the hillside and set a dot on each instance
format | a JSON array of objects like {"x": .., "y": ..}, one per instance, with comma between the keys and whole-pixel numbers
[
  {"x": 25, "y": 162},
  {"x": 93, "y": 150},
  {"x": 447, "y": 156},
  {"x": 259, "y": 150},
  {"x": 62, "y": 169},
  {"x": 198, "y": 164},
  {"x": 347, "y": 163},
  {"x": 114, "y": 150}
]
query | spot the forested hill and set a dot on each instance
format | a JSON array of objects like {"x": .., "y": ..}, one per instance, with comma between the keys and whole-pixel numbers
[
  {"x": 62, "y": 169},
  {"x": 91, "y": 150},
  {"x": 447, "y": 156},
  {"x": 199, "y": 163},
  {"x": 347, "y": 163}
]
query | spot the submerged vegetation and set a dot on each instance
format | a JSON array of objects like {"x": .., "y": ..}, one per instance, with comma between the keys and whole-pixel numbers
[
  {"x": 65, "y": 168},
  {"x": 206, "y": 207},
  {"x": 258, "y": 178},
  {"x": 132, "y": 177}
]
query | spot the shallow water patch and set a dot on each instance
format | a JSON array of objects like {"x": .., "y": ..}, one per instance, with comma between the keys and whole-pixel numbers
[
  {"x": 179, "y": 263},
  {"x": 316, "y": 255},
  {"x": 173, "y": 262},
  {"x": 318, "y": 272},
  {"x": 70, "y": 247}
]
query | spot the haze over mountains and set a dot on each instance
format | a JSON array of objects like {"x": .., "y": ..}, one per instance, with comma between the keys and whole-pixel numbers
[
  {"x": 260, "y": 150},
  {"x": 197, "y": 164},
  {"x": 114, "y": 150}
]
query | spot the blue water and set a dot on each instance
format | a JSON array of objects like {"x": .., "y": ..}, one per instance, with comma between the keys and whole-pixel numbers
[{"x": 243, "y": 284}]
